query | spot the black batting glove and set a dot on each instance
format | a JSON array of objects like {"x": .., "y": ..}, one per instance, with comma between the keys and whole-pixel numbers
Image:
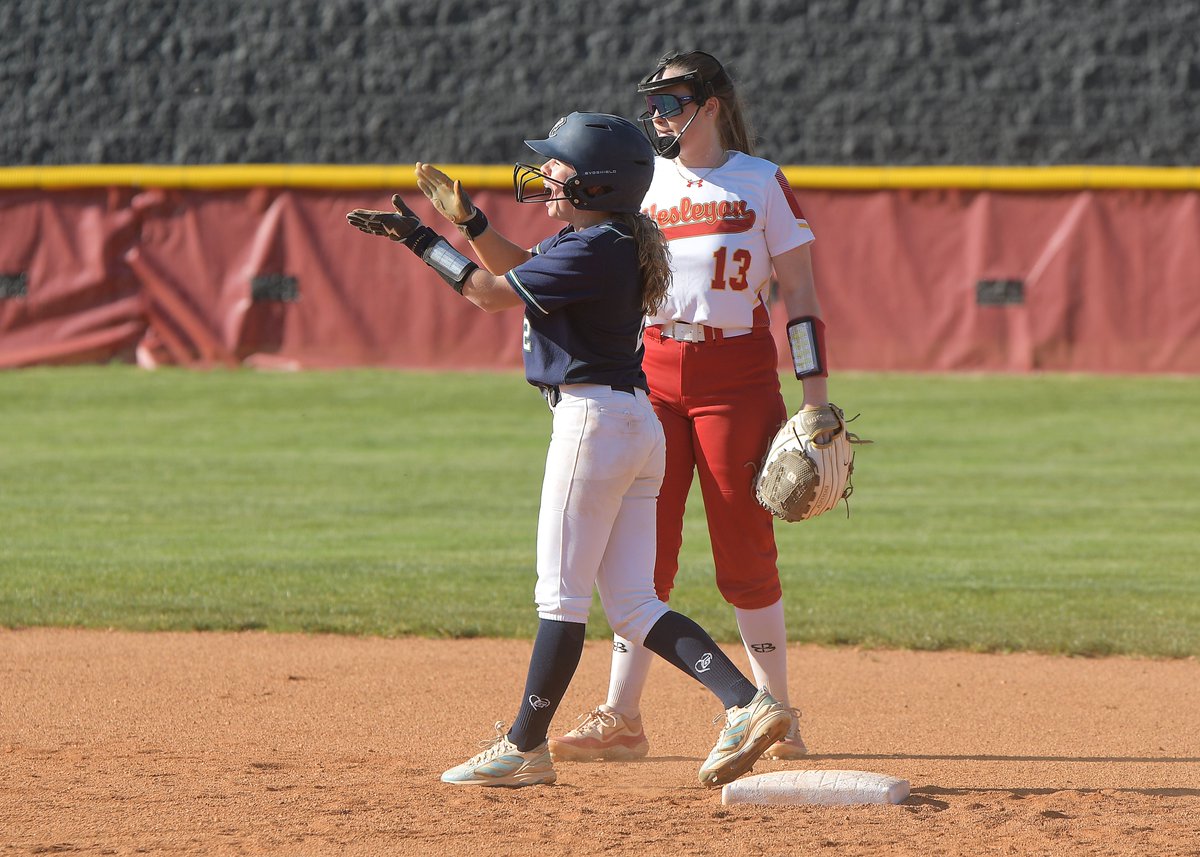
[{"x": 401, "y": 225}]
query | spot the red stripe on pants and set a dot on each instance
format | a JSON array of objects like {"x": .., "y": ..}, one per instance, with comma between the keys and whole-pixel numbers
[{"x": 720, "y": 405}]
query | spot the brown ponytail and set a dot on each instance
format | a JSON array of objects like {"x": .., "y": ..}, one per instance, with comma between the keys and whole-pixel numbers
[{"x": 654, "y": 259}]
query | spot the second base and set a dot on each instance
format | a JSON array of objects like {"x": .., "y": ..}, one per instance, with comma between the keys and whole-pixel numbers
[{"x": 824, "y": 788}]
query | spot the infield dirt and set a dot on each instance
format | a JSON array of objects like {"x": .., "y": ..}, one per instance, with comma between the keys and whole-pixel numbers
[{"x": 121, "y": 743}]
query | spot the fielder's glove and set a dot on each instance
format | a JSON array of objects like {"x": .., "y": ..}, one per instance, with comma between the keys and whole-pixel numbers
[
  {"x": 806, "y": 471},
  {"x": 451, "y": 200}
]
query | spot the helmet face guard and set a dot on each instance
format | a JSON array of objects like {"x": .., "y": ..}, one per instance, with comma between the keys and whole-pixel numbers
[
  {"x": 532, "y": 185},
  {"x": 665, "y": 106},
  {"x": 693, "y": 80}
]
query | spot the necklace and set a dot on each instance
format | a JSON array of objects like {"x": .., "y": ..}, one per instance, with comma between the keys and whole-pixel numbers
[{"x": 698, "y": 181}]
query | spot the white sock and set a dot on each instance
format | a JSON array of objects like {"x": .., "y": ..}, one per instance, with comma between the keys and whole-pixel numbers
[
  {"x": 627, "y": 680},
  {"x": 765, "y": 638}
]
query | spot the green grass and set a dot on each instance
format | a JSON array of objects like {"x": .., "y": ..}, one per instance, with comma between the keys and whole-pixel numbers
[{"x": 1052, "y": 513}]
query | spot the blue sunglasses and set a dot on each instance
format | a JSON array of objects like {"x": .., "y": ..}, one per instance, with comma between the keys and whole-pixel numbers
[{"x": 666, "y": 106}]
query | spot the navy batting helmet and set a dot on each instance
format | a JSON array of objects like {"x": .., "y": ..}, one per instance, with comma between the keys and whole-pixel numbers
[{"x": 613, "y": 163}]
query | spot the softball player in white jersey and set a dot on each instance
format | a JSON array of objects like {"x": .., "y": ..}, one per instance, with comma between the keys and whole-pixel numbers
[
  {"x": 732, "y": 221},
  {"x": 585, "y": 291}
]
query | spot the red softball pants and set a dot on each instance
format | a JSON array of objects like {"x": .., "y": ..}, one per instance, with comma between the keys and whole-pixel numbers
[{"x": 720, "y": 404}]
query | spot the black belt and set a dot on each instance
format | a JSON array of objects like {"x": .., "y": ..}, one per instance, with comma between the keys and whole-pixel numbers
[{"x": 554, "y": 395}]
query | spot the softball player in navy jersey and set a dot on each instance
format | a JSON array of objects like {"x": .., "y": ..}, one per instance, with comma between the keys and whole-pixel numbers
[
  {"x": 731, "y": 220},
  {"x": 585, "y": 291}
]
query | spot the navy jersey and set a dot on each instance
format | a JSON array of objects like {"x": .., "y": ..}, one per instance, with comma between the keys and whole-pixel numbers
[{"x": 583, "y": 308}]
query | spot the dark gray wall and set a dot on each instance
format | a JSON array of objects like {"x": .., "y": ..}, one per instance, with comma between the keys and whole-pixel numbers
[{"x": 827, "y": 81}]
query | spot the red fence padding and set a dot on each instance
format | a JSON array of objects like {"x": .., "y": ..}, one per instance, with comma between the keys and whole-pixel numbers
[{"x": 1110, "y": 280}]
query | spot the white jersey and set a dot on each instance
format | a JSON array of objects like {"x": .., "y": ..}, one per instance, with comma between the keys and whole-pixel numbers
[{"x": 723, "y": 225}]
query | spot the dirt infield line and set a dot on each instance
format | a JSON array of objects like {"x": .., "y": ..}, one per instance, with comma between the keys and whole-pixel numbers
[{"x": 120, "y": 743}]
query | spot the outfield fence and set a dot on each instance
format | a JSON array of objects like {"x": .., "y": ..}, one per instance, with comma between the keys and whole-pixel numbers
[{"x": 1007, "y": 269}]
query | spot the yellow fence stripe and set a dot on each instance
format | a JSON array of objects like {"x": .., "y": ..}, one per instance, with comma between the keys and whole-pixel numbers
[
  {"x": 996, "y": 178},
  {"x": 400, "y": 177}
]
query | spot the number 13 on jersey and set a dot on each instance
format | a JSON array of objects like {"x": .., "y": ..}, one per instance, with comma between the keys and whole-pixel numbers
[{"x": 741, "y": 264}]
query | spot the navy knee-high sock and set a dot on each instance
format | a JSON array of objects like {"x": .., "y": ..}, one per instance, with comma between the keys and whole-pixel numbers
[
  {"x": 556, "y": 653},
  {"x": 685, "y": 644}
]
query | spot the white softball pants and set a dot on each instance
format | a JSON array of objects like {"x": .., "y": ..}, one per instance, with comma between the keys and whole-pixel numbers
[{"x": 596, "y": 527}]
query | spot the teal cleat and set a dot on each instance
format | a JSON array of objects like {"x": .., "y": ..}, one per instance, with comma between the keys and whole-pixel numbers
[
  {"x": 748, "y": 733},
  {"x": 502, "y": 764}
]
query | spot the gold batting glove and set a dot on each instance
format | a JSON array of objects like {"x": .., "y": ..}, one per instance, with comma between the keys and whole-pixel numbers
[{"x": 447, "y": 195}]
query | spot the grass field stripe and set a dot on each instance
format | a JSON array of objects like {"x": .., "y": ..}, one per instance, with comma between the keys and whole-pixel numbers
[{"x": 310, "y": 501}]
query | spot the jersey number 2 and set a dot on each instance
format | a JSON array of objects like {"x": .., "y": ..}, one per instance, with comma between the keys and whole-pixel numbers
[{"x": 741, "y": 258}]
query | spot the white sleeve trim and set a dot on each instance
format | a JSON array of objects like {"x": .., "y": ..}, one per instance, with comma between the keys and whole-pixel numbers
[{"x": 526, "y": 295}]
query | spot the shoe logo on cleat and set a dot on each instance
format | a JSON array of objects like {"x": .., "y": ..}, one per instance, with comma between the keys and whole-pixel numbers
[
  {"x": 537, "y": 702},
  {"x": 704, "y": 663},
  {"x": 763, "y": 647},
  {"x": 620, "y": 647}
]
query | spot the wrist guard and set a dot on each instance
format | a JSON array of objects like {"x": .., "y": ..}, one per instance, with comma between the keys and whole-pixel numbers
[
  {"x": 420, "y": 240},
  {"x": 436, "y": 252},
  {"x": 806, "y": 336},
  {"x": 451, "y": 266},
  {"x": 473, "y": 226}
]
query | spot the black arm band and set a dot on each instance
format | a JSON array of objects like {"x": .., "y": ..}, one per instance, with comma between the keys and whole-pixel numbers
[
  {"x": 451, "y": 266},
  {"x": 806, "y": 336},
  {"x": 474, "y": 226}
]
